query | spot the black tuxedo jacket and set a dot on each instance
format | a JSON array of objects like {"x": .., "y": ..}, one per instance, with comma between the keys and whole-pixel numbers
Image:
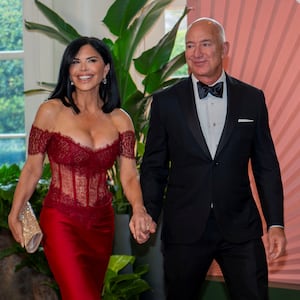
[{"x": 179, "y": 175}]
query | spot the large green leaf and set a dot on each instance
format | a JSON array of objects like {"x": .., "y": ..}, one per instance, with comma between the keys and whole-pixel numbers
[
  {"x": 9, "y": 173},
  {"x": 123, "y": 11},
  {"x": 154, "y": 58},
  {"x": 134, "y": 107},
  {"x": 126, "y": 84},
  {"x": 126, "y": 45},
  {"x": 128, "y": 285},
  {"x": 123, "y": 286},
  {"x": 157, "y": 79},
  {"x": 65, "y": 29},
  {"x": 47, "y": 30},
  {"x": 45, "y": 87},
  {"x": 118, "y": 262}
]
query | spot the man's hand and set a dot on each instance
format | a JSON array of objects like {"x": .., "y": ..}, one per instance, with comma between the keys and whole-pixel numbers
[{"x": 277, "y": 242}]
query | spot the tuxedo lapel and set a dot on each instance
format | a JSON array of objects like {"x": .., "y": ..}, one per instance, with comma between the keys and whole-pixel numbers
[
  {"x": 233, "y": 103},
  {"x": 187, "y": 102}
]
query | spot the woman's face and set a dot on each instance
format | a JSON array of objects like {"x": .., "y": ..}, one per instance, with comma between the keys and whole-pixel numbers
[{"x": 87, "y": 69}]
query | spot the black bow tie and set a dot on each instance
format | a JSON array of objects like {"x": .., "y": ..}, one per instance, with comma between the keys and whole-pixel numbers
[{"x": 216, "y": 90}]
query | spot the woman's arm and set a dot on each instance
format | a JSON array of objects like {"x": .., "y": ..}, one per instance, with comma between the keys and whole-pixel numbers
[
  {"x": 141, "y": 224},
  {"x": 28, "y": 180},
  {"x": 32, "y": 169}
]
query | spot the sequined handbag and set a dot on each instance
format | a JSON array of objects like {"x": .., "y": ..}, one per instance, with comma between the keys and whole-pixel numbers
[{"x": 32, "y": 232}]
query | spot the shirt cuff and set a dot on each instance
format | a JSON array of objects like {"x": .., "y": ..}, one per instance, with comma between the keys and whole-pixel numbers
[{"x": 280, "y": 226}]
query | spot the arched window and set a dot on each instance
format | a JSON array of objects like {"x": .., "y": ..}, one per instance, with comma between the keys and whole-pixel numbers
[{"x": 12, "y": 137}]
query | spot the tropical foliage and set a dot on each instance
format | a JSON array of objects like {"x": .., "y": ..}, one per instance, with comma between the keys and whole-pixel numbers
[{"x": 124, "y": 286}]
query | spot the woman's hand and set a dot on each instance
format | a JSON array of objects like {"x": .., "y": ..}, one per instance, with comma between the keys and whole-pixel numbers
[
  {"x": 141, "y": 225},
  {"x": 15, "y": 227}
]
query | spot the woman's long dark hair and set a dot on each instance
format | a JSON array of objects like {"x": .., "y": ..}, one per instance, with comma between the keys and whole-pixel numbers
[{"x": 108, "y": 92}]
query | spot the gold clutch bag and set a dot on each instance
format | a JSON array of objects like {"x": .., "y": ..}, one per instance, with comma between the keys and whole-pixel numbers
[{"x": 31, "y": 229}]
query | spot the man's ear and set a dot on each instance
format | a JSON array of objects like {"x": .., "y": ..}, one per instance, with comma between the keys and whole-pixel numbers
[{"x": 225, "y": 49}]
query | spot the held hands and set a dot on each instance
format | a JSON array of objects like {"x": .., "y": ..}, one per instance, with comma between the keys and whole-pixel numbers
[
  {"x": 141, "y": 225},
  {"x": 277, "y": 242}
]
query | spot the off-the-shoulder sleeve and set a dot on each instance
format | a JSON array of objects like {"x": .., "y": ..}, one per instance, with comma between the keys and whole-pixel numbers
[
  {"x": 127, "y": 144},
  {"x": 38, "y": 140}
]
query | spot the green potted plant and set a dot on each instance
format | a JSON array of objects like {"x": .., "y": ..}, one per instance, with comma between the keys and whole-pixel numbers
[{"x": 124, "y": 286}]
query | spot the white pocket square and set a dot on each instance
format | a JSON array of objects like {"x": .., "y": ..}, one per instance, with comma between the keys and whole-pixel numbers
[{"x": 245, "y": 120}]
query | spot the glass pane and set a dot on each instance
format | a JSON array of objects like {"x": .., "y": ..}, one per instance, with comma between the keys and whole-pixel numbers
[
  {"x": 11, "y": 24},
  {"x": 171, "y": 17},
  {"x": 11, "y": 96},
  {"x": 12, "y": 151}
]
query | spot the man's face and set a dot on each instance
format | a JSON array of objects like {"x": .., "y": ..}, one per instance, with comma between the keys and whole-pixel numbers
[{"x": 205, "y": 51}]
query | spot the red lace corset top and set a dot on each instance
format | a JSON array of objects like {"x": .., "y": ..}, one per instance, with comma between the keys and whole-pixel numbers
[{"x": 79, "y": 173}]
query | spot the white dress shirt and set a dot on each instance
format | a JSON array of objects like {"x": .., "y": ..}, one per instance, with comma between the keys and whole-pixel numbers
[{"x": 211, "y": 112}]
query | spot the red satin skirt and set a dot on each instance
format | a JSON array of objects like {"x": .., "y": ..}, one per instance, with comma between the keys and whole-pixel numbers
[{"x": 77, "y": 252}]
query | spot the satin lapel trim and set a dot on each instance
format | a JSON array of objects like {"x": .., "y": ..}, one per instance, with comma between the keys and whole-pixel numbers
[
  {"x": 233, "y": 103},
  {"x": 188, "y": 106}
]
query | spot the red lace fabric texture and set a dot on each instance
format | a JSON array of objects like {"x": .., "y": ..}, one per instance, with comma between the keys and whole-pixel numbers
[{"x": 79, "y": 174}]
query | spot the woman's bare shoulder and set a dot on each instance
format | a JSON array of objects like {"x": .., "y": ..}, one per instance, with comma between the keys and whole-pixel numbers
[
  {"x": 121, "y": 120},
  {"x": 47, "y": 113}
]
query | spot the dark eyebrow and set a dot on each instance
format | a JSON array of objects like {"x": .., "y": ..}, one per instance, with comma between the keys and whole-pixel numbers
[{"x": 94, "y": 56}]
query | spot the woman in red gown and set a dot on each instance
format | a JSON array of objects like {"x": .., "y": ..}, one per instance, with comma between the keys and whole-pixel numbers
[{"x": 83, "y": 131}]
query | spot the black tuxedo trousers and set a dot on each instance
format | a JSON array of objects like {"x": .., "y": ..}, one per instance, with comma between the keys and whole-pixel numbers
[{"x": 243, "y": 265}]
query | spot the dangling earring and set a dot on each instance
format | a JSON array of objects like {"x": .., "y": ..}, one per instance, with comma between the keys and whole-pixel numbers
[
  {"x": 72, "y": 83},
  {"x": 104, "y": 80}
]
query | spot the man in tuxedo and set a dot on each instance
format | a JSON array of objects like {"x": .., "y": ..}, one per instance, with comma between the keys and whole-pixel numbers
[{"x": 203, "y": 133}]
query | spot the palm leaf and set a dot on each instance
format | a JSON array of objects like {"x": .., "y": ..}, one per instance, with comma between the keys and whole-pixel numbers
[
  {"x": 125, "y": 46},
  {"x": 125, "y": 8},
  {"x": 65, "y": 28},
  {"x": 127, "y": 43},
  {"x": 127, "y": 85},
  {"x": 47, "y": 30},
  {"x": 157, "y": 79},
  {"x": 154, "y": 58}
]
